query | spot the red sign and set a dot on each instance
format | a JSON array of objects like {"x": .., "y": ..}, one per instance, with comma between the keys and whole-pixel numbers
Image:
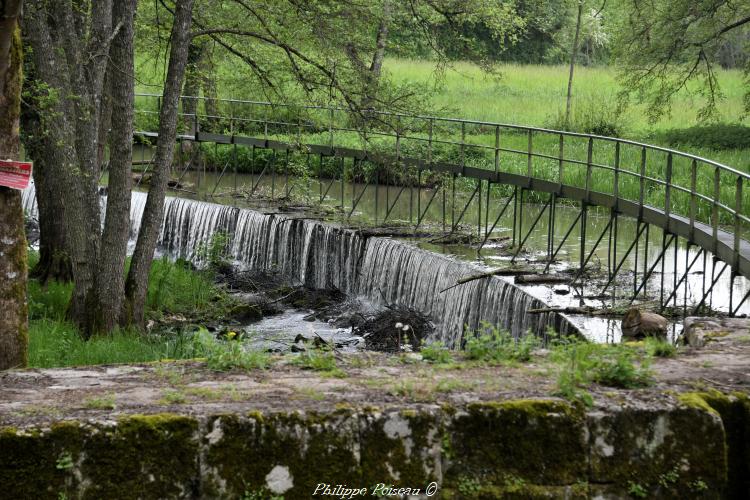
[{"x": 15, "y": 174}]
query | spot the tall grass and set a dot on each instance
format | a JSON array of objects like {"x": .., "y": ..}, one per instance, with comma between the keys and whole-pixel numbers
[
  {"x": 174, "y": 288},
  {"x": 533, "y": 94}
]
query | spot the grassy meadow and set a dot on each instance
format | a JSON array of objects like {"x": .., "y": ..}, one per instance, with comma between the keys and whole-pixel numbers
[{"x": 535, "y": 94}]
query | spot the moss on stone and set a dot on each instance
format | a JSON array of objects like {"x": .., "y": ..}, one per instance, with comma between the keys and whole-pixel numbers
[
  {"x": 401, "y": 448},
  {"x": 240, "y": 452},
  {"x": 517, "y": 492},
  {"x": 734, "y": 410},
  {"x": 696, "y": 400},
  {"x": 152, "y": 456},
  {"x": 541, "y": 441},
  {"x": 663, "y": 450}
]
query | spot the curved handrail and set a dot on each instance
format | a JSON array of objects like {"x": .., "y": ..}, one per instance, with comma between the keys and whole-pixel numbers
[{"x": 710, "y": 197}]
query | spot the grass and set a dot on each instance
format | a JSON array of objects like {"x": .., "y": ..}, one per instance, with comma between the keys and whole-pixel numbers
[
  {"x": 319, "y": 360},
  {"x": 106, "y": 402},
  {"x": 229, "y": 355},
  {"x": 531, "y": 94},
  {"x": 173, "y": 289},
  {"x": 436, "y": 352}
]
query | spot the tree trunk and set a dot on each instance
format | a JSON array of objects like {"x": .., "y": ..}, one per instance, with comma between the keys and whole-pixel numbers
[
  {"x": 105, "y": 116},
  {"x": 70, "y": 51},
  {"x": 192, "y": 78},
  {"x": 110, "y": 276},
  {"x": 137, "y": 282},
  {"x": 208, "y": 84},
  {"x": 67, "y": 179},
  {"x": 13, "y": 306},
  {"x": 54, "y": 261},
  {"x": 573, "y": 55}
]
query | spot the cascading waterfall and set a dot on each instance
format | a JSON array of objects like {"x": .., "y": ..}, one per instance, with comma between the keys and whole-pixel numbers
[{"x": 321, "y": 255}]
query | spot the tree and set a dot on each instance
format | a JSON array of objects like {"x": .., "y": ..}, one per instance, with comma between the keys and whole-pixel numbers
[
  {"x": 13, "y": 307},
  {"x": 587, "y": 24},
  {"x": 136, "y": 285},
  {"x": 71, "y": 44},
  {"x": 663, "y": 45}
]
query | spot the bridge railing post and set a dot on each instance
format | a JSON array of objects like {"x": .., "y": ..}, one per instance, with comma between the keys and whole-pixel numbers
[
  {"x": 737, "y": 221},
  {"x": 616, "y": 189},
  {"x": 668, "y": 190},
  {"x": 561, "y": 163},
  {"x": 693, "y": 201},
  {"x": 589, "y": 167},
  {"x": 529, "y": 157},
  {"x": 497, "y": 150},
  {"x": 642, "y": 179},
  {"x": 715, "y": 211}
]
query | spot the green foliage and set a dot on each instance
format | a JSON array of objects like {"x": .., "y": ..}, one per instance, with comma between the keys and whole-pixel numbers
[
  {"x": 469, "y": 487},
  {"x": 614, "y": 365},
  {"x": 214, "y": 252},
  {"x": 177, "y": 288},
  {"x": 436, "y": 352},
  {"x": 591, "y": 117},
  {"x": 321, "y": 360},
  {"x": 174, "y": 288},
  {"x": 64, "y": 461},
  {"x": 636, "y": 490},
  {"x": 716, "y": 136},
  {"x": 58, "y": 344},
  {"x": 668, "y": 46},
  {"x": 660, "y": 348},
  {"x": 493, "y": 345},
  {"x": 228, "y": 355}
]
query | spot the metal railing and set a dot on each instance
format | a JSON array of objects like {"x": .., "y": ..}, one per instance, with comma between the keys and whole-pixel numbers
[{"x": 681, "y": 187}]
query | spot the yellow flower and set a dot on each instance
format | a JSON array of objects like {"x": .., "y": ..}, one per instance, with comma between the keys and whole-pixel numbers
[{"x": 231, "y": 335}]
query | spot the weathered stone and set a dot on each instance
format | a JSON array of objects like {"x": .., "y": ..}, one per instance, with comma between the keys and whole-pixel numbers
[
  {"x": 246, "y": 313},
  {"x": 665, "y": 452},
  {"x": 536, "y": 441},
  {"x": 637, "y": 324},
  {"x": 734, "y": 410},
  {"x": 153, "y": 456},
  {"x": 697, "y": 332},
  {"x": 536, "y": 448}
]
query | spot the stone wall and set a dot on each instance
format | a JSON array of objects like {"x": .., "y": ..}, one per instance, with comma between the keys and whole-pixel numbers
[{"x": 523, "y": 448}]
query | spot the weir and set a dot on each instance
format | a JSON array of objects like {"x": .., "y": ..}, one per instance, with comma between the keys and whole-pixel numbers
[{"x": 318, "y": 255}]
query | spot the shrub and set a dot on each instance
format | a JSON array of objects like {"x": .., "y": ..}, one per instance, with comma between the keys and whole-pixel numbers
[
  {"x": 717, "y": 136},
  {"x": 228, "y": 355},
  {"x": 597, "y": 117},
  {"x": 319, "y": 360},
  {"x": 582, "y": 363},
  {"x": 436, "y": 352},
  {"x": 497, "y": 346}
]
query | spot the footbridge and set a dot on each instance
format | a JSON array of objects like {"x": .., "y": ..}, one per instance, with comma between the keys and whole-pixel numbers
[{"x": 695, "y": 202}]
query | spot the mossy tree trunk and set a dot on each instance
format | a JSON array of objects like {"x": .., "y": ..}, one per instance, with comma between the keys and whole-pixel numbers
[
  {"x": 136, "y": 284},
  {"x": 13, "y": 307},
  {"x": 54, "y": 262}
]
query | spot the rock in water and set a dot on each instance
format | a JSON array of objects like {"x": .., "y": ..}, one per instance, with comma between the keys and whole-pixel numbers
[{"x": 639, "y": 324}]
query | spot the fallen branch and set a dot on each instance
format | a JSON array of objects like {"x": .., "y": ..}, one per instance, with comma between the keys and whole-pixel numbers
[
  {"x": 496, "y": 272},
  {"x": 525, "y": 279},
  {"x": 590, "y": 311}
]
